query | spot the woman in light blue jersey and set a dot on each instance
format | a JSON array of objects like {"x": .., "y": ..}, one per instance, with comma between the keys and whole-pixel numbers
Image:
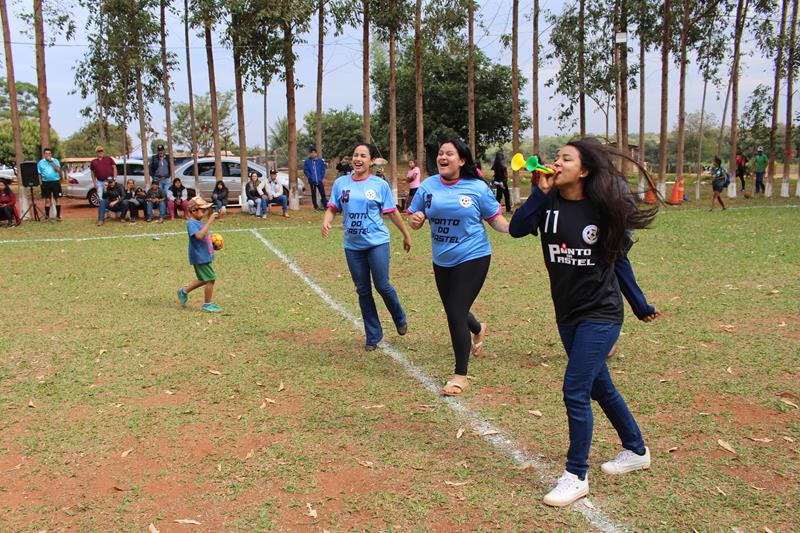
[
  {"x": 363, "y": 199},
  {"x": 456, "y": 202}
]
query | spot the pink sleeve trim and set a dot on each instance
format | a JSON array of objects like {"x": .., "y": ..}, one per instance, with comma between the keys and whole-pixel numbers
[
  {"x": 333, "y": 206},
  {"x": 387, "y": 211},
  {"x": 499, "y": 211}
]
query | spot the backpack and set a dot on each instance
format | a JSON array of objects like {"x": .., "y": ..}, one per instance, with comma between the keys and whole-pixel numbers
[{"x": 727, "y": 179}]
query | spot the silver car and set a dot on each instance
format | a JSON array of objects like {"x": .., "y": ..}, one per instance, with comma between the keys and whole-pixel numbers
[{"x": 80, "y": 184}]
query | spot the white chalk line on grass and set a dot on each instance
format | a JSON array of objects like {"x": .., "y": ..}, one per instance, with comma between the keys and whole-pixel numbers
[
  {"x": 131, "y": 236},
  {"x": 493, "y": 435}
]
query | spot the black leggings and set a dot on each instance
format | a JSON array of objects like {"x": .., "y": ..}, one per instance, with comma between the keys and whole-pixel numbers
[{"x": 458, "y": 287}]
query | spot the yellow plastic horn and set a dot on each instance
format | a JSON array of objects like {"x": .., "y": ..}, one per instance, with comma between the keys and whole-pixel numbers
[{"x": 517, "y": 162}]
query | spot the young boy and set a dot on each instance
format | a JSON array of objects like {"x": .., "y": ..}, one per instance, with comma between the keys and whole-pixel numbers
[{"x": 201, "y": 254}]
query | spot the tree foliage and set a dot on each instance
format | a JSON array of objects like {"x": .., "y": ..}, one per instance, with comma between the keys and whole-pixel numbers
[
  {"x": 445, "y": 97},
  {"x": 83, "y": 142},
  {"x": 341, "y": 129},
  {"x": 29, "y": 130},
  {"x": 27, "y": 104},
  {"x": 182, "y": 127}
]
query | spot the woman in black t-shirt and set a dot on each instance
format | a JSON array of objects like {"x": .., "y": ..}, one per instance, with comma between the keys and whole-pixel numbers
[
  {"x": 583, "y": 212},
  {"x": 501, "y": 179}
]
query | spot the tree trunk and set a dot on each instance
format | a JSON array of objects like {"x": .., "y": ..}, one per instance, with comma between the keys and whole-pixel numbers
[
  {"x": 662, "y": 138},
  {"x": 419, "y": 117},
  {"x": 393, "y": 112},
  {"x": 126, "y": 148},
  {"x": 722, "y": 123},
  {"x": 682, "y": 92},
  {"x": 266, "y": 124},
  {"x": 642, "y": 109},
  {"x": 535, "y": 79},
  {"x": 41, "y": 76},
  {"x": 365, "y": 74},
  {"x": 191, "y": 96},
  {"x": 615, "y": 58},
  {"x": 294, "y": 198},
  {"x": 515, "y": 195},
  {"x": 700, "y": 144},
  {"x": 212, "y": 89},
  {"x": 142, "y": 127},
  {"x": 12, "y": 103},
  {"x": 581, "y": 69},
  {"x": 320, "y": 50},
  {"x": 776, "y": 95},
  {"x": 237, "y": 75},
  {"x": 622, "y": 103},
  {"x": 167, "y": 103},
  {"x": 741, "y": 13},
  {"x": 471, "y": 78},
  {"x": 790, "y": 75}
]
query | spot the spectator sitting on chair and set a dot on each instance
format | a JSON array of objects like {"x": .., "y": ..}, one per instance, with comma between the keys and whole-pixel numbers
[
  {"x": 177, "y": 197},
  {"x": 8, "y": 204},
  {"x": 256, "y": 203},
  {"x": 314, "y": 170},
  {"x": 274, "y": 192},
  {"x": 220, "y": 198},
  {"x": 114, "y": 198},
  {"x": 155, "y": 196},
  {"x": 135, "y": 196}
]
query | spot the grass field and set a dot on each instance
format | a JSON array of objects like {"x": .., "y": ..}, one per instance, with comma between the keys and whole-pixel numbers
[{"x": 119, "y": 409}]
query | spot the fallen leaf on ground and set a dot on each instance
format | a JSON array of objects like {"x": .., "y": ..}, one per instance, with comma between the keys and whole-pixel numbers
[
  {"x": 103, "y": 351},
  {"x": 378, "y": 406},
  {"x": 152, "y": 529},
  {"x": 729, "y": 370},
  {"x": 169, "y": 392},
  {"x": 588, "y": 504},
  {"x": 250, "y": 454},
  {"x": 219, "y": 467},
  {"x": 673, "y": 449},
  {"x": 490, "y": 432},
  {"x": 788, "y": 439},
  {"x": 281, "y": 387},
  {"x": 459, "y": 433},
  {"x": 215, "y": 372},
  {"x": 126, "y": 453},
  {"x": 790, "y": 403},
  {"x": 311, "y": 511},
  {"x": 535, "y": 412},
  {"x": 269, "y": 400},
  {"x": 263, "y": 405},
  {"x": 768, "y": 530},
  {"x": 187, "y": 521},
  {"x": 663, "y": 381},
  {"x": 727, "y": 328},
  {"x": 726, "y": 446},
  {"x": 721, "y": 491},
  {"x": 368, "y": 464},
  {"x": 756, "y": 439},
  {"x": 31, "y": 404},
  {"x": 758, "y": 488},
  {"x": 773, "y": 292},
  {"x": 259, "y": 384},
  {"x": 456, "y": 483},
  {"x": 463, "y": 464}
]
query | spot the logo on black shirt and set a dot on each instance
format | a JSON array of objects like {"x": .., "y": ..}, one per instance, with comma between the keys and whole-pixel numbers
[{"x": 590, "y": 234}]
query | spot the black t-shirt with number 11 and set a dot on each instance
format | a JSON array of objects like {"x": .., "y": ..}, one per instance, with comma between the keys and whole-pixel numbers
[{"x": 582, "y": 286}]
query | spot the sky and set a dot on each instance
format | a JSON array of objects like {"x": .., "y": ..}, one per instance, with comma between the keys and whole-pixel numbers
[{"x": 342, "y": 73}]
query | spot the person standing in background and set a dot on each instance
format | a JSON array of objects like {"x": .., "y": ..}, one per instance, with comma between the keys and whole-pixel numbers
[
  {"x": 760, "y": 165},
  {"x": 741, "y": 167},
  {"x": 50, "y": 175},
  {"x": 501, "y": 179},
  {"x": 159, "y": 169},
  {"x": 412, "y": 178},
  {"x": 102, "y": 168},
  {"x": 314, "y": 170}
]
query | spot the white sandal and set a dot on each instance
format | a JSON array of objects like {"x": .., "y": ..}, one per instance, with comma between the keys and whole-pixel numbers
[
  {"x": 477, "y": 347},
  {"x": 461, "y": 388}
]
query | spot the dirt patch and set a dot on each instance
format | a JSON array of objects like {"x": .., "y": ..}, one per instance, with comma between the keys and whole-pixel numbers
[
  {"x": 762, "y": 478},
  {"x": 316, "y": 337},
  {"x": 741, "y": 413}
]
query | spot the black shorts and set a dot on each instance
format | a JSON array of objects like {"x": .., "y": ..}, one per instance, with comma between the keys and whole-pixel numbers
[{"x": 51, "y": 188}]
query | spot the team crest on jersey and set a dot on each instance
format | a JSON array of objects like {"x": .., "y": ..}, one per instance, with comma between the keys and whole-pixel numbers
[
  {"x": 346, "y": 196},
  {"x": 465, "y": 201},
  {"x": 590, "y": 234},
  {"x": 370, "y": 194},
  {"x": 428, "y": 200}
]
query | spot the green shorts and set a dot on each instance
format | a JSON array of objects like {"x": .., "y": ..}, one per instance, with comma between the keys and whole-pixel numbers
[{"x": 205, "y": 272}]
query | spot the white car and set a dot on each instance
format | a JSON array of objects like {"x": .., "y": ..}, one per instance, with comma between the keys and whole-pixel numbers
[{"x": 80, "y": 184}]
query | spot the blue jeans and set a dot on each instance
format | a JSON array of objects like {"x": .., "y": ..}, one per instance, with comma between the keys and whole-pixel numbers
[
  {"x": 760, "y": 182},
  {"x": 586, "y": 379},
  {"x": 162, "y": 210},
  {"x": 318, "y": 187},
  {"x": 374, "y": 261},
  {"x": 163, "y": 183},
  {"x": 281, "y": 201},
  {"x": 258, "y": 205},
  {"x": 218, "y": 205},
  {"x": 101, "y": 208}
]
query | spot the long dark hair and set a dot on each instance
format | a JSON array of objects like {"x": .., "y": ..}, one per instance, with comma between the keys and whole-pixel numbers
[
  {"x": 175, "y": 183},
  {"x": 220, "y": 182},
  {"x": 469, "y": 170},
  {"x": 606, "y": 187},
  {"x": 499, "y": 159}
]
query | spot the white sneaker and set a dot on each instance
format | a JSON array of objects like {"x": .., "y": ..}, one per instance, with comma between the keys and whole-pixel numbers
[
  {"x": 568, "y": 489},
  {"x": 627, "y": 461}
]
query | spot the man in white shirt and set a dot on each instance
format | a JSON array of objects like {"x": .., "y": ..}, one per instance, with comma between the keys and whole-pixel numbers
[{"x": 274, "y": 193}]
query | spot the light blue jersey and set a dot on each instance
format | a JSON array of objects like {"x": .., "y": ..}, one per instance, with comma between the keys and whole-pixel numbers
[
  {"x": 47, "y": 171},
  {"x": 362, "y": 203},
  {"x": 456, "y": 213}
]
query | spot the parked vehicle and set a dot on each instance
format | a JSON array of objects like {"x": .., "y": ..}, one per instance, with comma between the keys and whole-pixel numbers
[{"x": 80, "y": 184}]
